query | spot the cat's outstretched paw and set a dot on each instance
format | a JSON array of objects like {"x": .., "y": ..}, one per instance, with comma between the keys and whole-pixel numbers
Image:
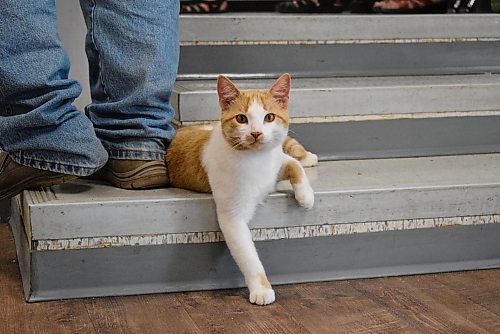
[
  {"x": 305, "y": 196},
  {"x": 262, "y": 296},
  {"x": 310, "y": 160}
]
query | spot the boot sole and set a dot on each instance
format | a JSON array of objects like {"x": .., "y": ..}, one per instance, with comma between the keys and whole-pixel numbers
[
  {"x": 34, "y": 182},
  {"x": 149, "y": 175}
]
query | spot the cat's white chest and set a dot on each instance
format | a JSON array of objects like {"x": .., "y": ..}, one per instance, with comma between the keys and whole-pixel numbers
[
  {"x": 241, "y": 174},
  {"x": 261, "y": 170}
]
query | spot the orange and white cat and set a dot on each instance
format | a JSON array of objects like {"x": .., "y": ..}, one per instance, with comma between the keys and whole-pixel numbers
[{"x": 240, "y": 161}]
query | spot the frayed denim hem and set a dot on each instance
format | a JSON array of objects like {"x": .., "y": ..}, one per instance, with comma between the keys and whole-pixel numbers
[{"x": 52, "y": 166}]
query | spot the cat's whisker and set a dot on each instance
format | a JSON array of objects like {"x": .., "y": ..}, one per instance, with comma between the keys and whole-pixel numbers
[{"x": 236, "y": 143}]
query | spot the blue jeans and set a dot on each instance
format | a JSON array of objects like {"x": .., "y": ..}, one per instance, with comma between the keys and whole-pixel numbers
[{"x": 133, "y": 53}]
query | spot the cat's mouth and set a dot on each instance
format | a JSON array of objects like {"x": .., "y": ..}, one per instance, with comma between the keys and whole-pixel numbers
[{"x": 256, "y": 144}]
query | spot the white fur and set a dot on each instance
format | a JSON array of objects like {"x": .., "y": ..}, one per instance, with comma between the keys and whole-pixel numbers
[
  {"x": 207, "y": 127},
  {"x": 310, "y": 160},
  {"x": 303, "y": 191},
  {"x": 240, "y": 180}
]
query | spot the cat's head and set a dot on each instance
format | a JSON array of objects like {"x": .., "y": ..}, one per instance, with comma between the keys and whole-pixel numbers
[{"x": 254, "y": 120}]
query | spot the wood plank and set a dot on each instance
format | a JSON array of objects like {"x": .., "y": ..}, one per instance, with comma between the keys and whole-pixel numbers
[
  {"x": 228, "y": 311},
  {"x": 17, "y": 316},
  {"x": 412, "y": 306},
  {"x": 456, "y": 306},
  {"x": 107, "y": 315},
  {"x": 140, "y": 314},
  {"x": 337, "y": 306},
  {"x": 480, "y": 287}
]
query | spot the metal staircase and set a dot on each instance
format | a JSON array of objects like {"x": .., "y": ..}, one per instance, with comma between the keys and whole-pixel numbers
[{"x": 404, "y": 112}]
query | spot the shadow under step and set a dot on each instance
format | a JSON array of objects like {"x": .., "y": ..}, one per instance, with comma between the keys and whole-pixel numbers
[{"x": 371, "y": 218}]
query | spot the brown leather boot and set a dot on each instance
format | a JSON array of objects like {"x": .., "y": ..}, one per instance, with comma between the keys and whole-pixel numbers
[
  {"x": 134, "y": 174},
  {"x": 15, "y": 178}
]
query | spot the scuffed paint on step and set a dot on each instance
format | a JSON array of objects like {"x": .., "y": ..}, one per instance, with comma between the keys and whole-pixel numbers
[
  {"x": 342, "y": 41},
  {"x": 265, "y": 234}
]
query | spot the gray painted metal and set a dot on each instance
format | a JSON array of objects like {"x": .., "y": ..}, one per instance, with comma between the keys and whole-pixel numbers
[
  {"x": 150, "y": 269},
  {"x": 263, "y": 234},
  {"x": 346, "y": 191},
  {"x": 265, "y": 45},
  {"x": 265, "y": 27},
  {"x": 327, "y": 97},
  {"x": 370, "y": 59},
  {"x": 400, "y": 138},
  {"x": 23, "y": 248}
]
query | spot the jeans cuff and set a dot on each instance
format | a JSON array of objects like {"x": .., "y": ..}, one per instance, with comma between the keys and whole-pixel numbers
[{"x": 53, "y": 166}]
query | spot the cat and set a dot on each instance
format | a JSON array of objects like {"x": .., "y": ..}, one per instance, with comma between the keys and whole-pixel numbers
[{"x": 240, "y": 161}]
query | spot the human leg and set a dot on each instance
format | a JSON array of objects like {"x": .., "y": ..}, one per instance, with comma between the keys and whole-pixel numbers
[
  {"x": 410, "y": 6},
  {"x": 133, "y": 53},
  {"x": 39, "y": 127}
]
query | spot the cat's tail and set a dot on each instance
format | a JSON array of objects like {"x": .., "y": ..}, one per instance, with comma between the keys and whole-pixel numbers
[{"x": 294, "y": 149}]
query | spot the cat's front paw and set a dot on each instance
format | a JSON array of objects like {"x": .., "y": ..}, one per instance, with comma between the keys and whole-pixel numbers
[
  {"x": 305, "y": 196},
  {"x": 262, "y": 296},
  {"x": 310, "y": 160}
]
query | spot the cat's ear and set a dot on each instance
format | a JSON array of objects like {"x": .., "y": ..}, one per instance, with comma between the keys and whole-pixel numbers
[
  {"x": 280, "y": 90},
  {"x": 227, "y": 91}
]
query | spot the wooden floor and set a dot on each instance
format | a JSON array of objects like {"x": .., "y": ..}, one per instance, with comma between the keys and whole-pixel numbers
[{"x": 465, "y": 302}]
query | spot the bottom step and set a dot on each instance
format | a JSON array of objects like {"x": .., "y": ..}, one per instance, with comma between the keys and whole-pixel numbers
[
  {"x": 184, "y": 267},
  {"x": 371, "y": 218}
]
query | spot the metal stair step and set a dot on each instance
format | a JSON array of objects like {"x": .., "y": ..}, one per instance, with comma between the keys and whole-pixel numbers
[
  {"x": 273, "y": 28},
  {"x": 351, "y": 99},
  {"x": 265, "y": 44},
  {"x": 375, "y": 117},
  {"x": 371, "y": 218}
]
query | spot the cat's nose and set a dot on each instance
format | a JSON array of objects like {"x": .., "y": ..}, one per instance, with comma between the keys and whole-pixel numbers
[{"x": 256, "y": 134}]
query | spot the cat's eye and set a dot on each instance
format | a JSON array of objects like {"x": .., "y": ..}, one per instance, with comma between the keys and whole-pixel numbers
[
  {"x": 269, "y": 117},
  {"x": 242, "y": 119}
]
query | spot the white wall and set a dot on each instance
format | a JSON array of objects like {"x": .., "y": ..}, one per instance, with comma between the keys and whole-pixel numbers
[{"x": 72, "y": 31}]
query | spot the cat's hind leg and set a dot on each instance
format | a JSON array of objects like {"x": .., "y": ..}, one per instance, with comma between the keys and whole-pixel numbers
[
  {"x": 294, "y": 149},
  {"x": 292, "y": 170}
]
